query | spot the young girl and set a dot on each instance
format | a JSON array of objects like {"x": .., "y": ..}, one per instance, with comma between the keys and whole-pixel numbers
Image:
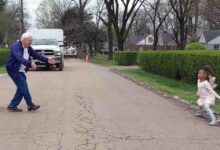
[{"x": 206, "y": 95}]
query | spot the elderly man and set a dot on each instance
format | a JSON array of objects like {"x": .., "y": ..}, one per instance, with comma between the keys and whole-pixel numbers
[{"x": 17, "y": 65}]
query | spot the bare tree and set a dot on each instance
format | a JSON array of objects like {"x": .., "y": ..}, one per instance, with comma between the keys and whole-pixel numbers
[
  {"x": 195, "y": 19},
  {"x": 97, "y": 12},
  {"x": 81, "y": 6},
  {"x": 50, "y": 12},
  {"x": 141, "y": 25},
  {"x": 2, "y": 5},
  {"x": 181, "y": 11},
  {"x": 13, "y": 16},
  {"x": 129, "y": 9},
  {"x": 108, "y": 23},
  {"x": 210, "y": 11},
  {"x": 157, "y": 12}
]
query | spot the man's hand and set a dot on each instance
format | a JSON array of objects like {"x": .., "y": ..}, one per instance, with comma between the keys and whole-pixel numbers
[
  {"x": 33, "y": 65},
  {"x": 51, "y": 61}
]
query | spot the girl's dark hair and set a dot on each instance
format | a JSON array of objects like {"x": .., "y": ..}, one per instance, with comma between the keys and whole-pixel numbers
[{"x": 208, "y": 70}]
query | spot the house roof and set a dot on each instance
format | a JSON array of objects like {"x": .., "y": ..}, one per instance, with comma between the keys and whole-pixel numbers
[
  {"x": 137, "y": 39},
  {"x": 210, "y": 35},
  {"x": 166, "y": 38}
]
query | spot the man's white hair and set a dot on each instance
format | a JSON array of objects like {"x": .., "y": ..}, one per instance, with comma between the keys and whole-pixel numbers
[{"x": 26, "y": 35}]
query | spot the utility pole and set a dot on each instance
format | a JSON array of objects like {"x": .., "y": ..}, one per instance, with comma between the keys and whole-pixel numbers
[{"x": 21, "y": 17}]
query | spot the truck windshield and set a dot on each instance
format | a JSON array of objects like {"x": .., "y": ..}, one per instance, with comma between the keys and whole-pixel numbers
[{"x": 44, "y": 42}]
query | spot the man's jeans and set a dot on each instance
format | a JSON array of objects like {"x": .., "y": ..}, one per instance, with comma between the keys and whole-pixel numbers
[{"x": 22, "y": 91}]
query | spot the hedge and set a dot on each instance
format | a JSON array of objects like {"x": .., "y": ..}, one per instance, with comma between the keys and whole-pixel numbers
[
  {"x": 126, "y": 58},
  {"x": 3, "y": 56},
  {"x": 180, "y": 65},
  {"x": 195, "y": 46}
]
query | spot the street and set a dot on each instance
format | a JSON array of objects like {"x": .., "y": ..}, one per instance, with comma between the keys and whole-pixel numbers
[{"x": 88, "y": 107}]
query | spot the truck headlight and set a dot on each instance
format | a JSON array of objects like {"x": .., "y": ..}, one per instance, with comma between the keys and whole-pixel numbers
[{"x": 57, "y": 53}]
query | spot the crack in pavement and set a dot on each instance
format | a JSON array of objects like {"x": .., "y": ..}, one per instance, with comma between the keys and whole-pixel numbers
[
  {"x": 88, "y": 125},
  {"x": 95, "y": 134}
]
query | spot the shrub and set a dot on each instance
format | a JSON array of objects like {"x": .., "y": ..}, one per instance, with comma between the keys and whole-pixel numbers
[
  {"x": 3, "y": 56},
  {"x": 126, "y": 58},
  {"x": 180, "y": 65},
  {"x": 195, "y": 46}
]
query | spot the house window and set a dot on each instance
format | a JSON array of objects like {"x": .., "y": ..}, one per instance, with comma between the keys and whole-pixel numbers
[
  {"x": 216, "y": 47},
  {"x": 150, "y": 40}
]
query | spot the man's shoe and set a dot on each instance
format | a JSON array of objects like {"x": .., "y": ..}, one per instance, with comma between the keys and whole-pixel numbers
[
  {"x": 33, "y": 107},
  {"x": 14, "y": 109}
]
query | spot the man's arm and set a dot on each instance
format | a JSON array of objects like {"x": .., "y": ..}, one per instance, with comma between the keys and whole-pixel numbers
[
  {"x": 38, "y": 56},
  {"x": 18, "y": 55}
]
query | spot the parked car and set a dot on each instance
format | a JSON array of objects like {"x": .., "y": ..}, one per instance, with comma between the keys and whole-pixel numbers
[{"x": 71, "y": 51}]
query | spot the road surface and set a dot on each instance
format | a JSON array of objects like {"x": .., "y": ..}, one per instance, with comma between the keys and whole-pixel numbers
[{"x": 87, "y": 107}]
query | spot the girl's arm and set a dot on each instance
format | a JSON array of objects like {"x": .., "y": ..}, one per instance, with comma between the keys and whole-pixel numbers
[{"x": 212, "y": 91}]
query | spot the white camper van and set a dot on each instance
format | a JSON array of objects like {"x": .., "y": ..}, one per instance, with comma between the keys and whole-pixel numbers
[{"x": 49, "y": 42}]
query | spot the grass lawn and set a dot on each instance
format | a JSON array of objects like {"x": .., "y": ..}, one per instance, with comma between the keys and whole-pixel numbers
[
  {"x": 102, "y": 60},
  {"x": 169, "y": 86},
  {"x": 2, "y": 70}
]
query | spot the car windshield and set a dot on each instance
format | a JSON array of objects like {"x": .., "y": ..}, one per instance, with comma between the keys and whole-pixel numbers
[{"x": 44, "y": 42}]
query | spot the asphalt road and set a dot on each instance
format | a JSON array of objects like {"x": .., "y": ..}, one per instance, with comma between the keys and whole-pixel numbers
[{"x": 87, "y": 107}]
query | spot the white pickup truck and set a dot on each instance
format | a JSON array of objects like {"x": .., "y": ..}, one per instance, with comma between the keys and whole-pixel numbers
[{"x": 49, "y": 42}]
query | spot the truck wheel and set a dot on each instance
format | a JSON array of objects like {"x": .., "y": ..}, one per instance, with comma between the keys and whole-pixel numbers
[{"x": 61, "y": 65}]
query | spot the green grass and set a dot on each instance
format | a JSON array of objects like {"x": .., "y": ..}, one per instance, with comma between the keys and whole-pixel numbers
[
  {"x": 2, "y": 70},
  {"x": 103, "y": 60},
  {"x": 169, "y": 86}
]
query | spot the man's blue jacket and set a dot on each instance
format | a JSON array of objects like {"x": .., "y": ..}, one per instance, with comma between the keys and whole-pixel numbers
[{"x": 15, "y": 59}]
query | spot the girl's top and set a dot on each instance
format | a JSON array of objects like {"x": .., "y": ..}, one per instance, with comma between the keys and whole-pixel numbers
[{"x": 205, "y": 90}]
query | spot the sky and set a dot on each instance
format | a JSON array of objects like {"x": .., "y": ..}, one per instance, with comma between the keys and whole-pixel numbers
[{"x": 32, "y": 5}]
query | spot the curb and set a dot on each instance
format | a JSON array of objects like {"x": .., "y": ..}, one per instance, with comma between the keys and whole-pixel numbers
[
  {"x": 2, "y": 75},
  {"x": 174, "y": 99}
]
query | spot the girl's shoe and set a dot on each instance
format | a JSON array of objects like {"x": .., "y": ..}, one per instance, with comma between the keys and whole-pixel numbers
[
  {"x": 199, "y": 114},
  {"x": 213, "y": 123}
]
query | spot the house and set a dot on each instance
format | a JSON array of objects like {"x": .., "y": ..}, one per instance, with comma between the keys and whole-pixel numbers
[
  {"x": 140, "y": 43},
  {"x": 211, "y": 39},
  {"x": 105, "y": 48}
]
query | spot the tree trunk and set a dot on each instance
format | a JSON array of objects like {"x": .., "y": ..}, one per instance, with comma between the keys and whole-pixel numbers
[
  {"x": 90, "y": 50},
  {"x": 196, "y": 21},
  {"x": 110, "y": 39},
  {"x": 155, "y": 44},
  {"x": 120, "y": 42},
  {"x": 120, "y": 45},
  {"x": 155, "y": 39},
  {"x": 90, "y": 46},
  {"x": 95, "y": 48},
  {"x": 182, "y": 36}
]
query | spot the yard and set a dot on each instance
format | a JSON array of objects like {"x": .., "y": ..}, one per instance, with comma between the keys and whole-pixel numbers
[
  {"x": 103, "y": 60},
  {"x": 2, "y": 70}
]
